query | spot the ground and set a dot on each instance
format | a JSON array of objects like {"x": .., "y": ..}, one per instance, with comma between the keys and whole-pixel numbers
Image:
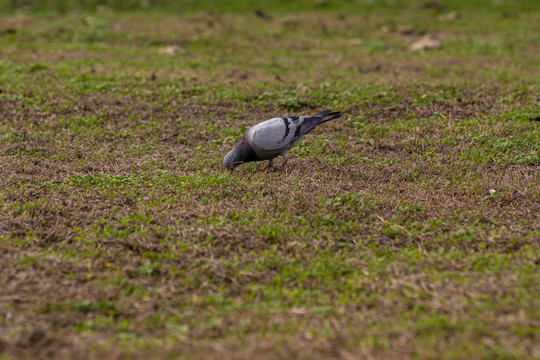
[{"x": 408, "y": 228}]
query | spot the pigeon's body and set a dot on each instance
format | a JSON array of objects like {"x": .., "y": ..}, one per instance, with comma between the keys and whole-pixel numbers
[{"x": 274, "y": 137}]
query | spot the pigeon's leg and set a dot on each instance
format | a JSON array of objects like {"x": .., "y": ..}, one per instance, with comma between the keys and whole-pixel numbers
[
  {"x": 285, "y": 159},
  {"x": 270, "y": 164}
]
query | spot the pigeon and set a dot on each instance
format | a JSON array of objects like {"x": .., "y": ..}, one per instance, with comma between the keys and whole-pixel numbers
[{"x": 274, "y": 137}]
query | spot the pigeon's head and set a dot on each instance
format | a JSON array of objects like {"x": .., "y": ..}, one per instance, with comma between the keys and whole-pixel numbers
[
  {"x": 232, "y": 159},
  {"x": 239, "y": 154}
]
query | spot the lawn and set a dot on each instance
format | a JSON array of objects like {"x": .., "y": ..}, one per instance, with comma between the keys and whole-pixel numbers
[{"x": 408, "y": 228}]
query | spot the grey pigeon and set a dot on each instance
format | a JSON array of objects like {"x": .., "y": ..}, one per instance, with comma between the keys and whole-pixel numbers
[{"x": 274, "y": 137}]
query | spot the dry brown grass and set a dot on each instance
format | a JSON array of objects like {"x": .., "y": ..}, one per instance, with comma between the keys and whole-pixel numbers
[{"x": 381, "y": 239}]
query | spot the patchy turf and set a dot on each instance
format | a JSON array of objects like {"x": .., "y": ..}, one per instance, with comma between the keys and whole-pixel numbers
[{"x": 409, "y": 228}]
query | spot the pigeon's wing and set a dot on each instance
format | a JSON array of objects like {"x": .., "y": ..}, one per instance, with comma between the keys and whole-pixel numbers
[{"x": 275, "y": 135}]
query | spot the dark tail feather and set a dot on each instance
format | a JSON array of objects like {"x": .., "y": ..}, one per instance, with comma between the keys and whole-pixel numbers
[
  {"x": 328, "y": 115},
  {"x": 322, "y": 117}
]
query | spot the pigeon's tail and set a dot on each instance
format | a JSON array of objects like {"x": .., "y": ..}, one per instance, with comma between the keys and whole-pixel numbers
[
  {"x": 322, "y": 117},
  {"x": 327, "y": 115}
]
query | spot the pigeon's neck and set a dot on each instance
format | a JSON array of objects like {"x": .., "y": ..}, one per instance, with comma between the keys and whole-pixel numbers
[{"x": 246, "y": 152}]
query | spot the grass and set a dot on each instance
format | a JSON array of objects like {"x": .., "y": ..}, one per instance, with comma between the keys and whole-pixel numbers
[{"x": 406, "y": 229}]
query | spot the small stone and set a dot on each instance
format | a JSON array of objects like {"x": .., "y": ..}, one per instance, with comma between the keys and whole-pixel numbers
[
  {"x": 169, "y": 50},
  {"x": 451, "y": 16},
  {"x": 426, "y": 43}
]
